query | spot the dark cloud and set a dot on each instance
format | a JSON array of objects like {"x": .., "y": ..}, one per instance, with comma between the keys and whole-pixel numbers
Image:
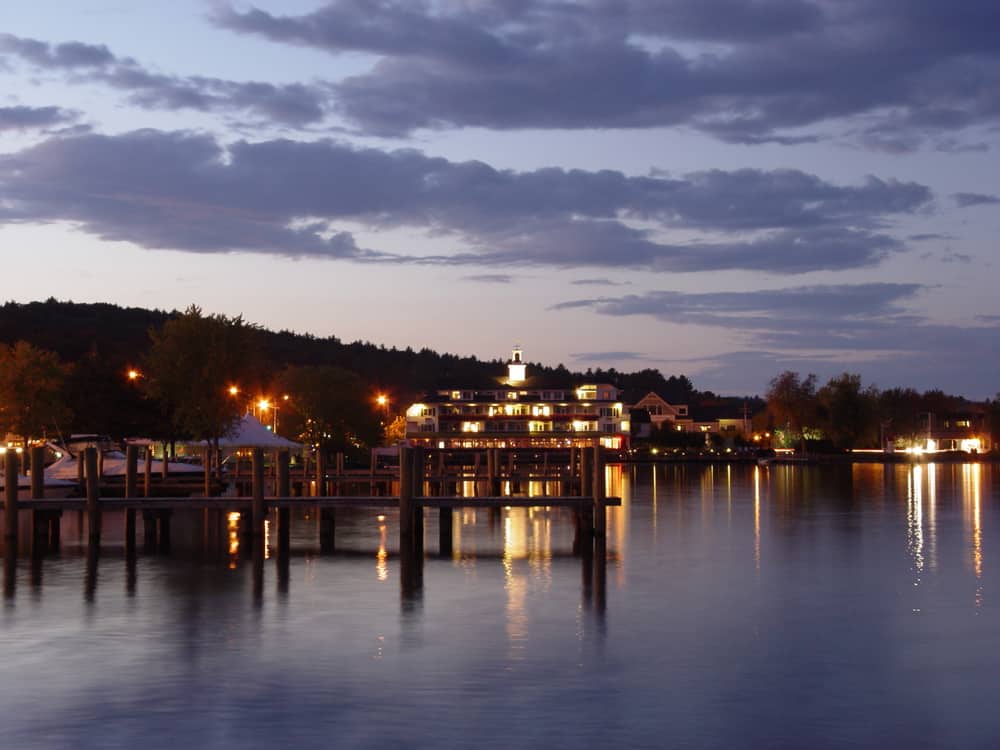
[
  {"x": 746, "y": 72},
  {"x": 490, "y": 278},
  {"x": 607, "y": 356},
  {"x": 65, "y": 55},
  {"x": 964, "y": 200},
  {"x": 295, "y": 105},
  {"x": 599, "y": 282},
  {"x": 824, "y": 329},
  {"x": 24, "y": 118},
  {"x": 833, "y": 311},
  {"x": 186, "y": 191}
]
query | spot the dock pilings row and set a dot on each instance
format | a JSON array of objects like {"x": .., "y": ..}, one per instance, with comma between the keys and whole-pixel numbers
[{"x": 422, "y": 484}]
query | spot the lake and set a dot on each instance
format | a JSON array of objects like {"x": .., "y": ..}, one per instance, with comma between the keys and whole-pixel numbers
[{"x": 739, "y": 606}]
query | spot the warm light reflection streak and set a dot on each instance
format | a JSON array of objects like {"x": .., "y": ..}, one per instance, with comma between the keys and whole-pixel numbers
[
  {"x": 233, "y": 531},
  {"x": 915, "y": 520},
  {"x": 382, "y": 556},
  {"x": 756, "y": 517}
]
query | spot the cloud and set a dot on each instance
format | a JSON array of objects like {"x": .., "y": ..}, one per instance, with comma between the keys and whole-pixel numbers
[
  {"x": 607, "y": 356},
  {"x": 599, "y": 282},
  {"x": 895, "y": 75},
  {"x": 490, "y": 278},
  {"x": 824, "y": 329},
  {"x": 829, "y": 315},
  {"x": 964, "y": 200},
  {"x": 25, "y": 118},
  {"x": 294, "y": 105},
  {"x": 190, "y": 192}
]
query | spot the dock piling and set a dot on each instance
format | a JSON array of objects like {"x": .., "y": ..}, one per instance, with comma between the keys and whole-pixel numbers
[
  {"x": 131, "y": 490},
  {"x": 93, "y": 495},
  {"x": 10, "y": 496},
  {"x": 257, "y": 493}
]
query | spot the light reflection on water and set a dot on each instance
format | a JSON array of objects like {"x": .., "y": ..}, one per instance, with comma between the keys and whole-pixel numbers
[{"x": 744, "y": 606}]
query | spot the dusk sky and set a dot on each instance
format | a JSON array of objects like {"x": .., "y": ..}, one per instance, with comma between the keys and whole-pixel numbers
[{"x": 721, "y": 188}]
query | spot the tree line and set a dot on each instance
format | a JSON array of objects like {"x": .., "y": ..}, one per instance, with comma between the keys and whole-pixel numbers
[
  {"x": 74, "y": 358},
  {"x": 844, "y": 413}
]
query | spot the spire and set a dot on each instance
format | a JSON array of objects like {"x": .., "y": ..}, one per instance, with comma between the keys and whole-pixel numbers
[{"x": 515, "y": 367}]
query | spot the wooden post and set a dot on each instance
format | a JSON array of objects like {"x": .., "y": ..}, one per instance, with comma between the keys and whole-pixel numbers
[
  {"x": 207, "y": 461},
  {"x": 166, "y": 463},
  {"x": 93, "y": 509},
  {"x": 79, "y": 469},
  {"x": 45, "y": 522},
  {"x": 446, "y": 532},
  {"x": 320, "y": 473},
  {"x": 586, "y": 474},
  {"x": 131, "y": 491},
  {"x": 10, "y": 496},
  {"x": 147, "y": 478},
  {"x": 37, "y": 472},
  {"x": 41, "y": 520},
  {"x": 257, "y": 493},
  {"x": 597, "y": 484},
  {"x": 405, "y": 496},
  {"x": 284, "y": 489}
]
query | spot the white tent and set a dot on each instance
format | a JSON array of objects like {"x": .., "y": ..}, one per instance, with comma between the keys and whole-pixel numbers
[{"x": 250, "y": 433}]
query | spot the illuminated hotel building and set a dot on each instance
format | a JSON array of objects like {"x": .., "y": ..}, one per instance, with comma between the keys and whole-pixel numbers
[{"x": 514, "y": 414}]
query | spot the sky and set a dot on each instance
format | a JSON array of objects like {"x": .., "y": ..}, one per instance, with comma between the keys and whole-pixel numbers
[{"x": 721, "y": 188}]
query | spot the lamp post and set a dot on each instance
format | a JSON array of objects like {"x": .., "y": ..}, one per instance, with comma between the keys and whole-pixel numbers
[{"x": 265, "y": 405}]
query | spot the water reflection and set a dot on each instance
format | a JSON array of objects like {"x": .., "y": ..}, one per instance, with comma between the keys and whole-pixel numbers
[
  {"x": 756, "y": 517},
  {"x": 915, "y": 520},
  {"x": 972, "y": 500}
]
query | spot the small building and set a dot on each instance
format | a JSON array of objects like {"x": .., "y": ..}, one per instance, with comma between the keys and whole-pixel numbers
[
  {"x": 517, "y": 412},
  {"x": 660, "y": 411},
  {"x": 959, "y": 431}
]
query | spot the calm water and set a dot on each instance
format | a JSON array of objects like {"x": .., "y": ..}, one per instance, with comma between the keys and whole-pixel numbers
[{"x": 787, "y": 607}]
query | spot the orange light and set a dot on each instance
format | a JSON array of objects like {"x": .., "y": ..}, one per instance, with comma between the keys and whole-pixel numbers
[
  {"x": 233, "y": 390},
  {"x": 264, "y": 404},
  {"x": 381, "y": 399},
  {"x": 133, "y": 374}
]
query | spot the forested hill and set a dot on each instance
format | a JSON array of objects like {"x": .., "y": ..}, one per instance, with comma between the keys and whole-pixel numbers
[{"x": 108, "y": 338}]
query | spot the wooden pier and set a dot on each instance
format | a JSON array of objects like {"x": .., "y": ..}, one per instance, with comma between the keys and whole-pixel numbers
[{"x": 422, "y": 482}]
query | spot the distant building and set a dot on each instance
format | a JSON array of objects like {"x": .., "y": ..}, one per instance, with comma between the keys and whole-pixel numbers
[
  {"x": 959, "y": 431},
  {"x": 660, "y": 411},
  {"x": 517, "y": 412}
]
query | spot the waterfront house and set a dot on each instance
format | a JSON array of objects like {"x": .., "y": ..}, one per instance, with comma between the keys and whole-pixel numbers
[{"x": 519, "y": 412}]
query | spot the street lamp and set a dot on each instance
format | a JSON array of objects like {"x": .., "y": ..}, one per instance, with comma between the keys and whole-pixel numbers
[
  {"x": 383, "y": 401},
  {"x": 265, "y": 404}
]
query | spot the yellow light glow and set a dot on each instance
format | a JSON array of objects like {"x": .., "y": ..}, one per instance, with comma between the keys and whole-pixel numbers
[
  {"x": 381, "y": 399},
  {"x": 133, "y": 374},
  {"x": 233, "y": 390},
  {"x": 263, "y": 404}
]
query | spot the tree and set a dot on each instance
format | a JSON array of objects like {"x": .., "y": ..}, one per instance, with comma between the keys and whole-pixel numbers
[
  {"x": 192, "y": 362},
  {"x": 31, "y": 391},
  {"x": 329, "y": 407},
  {"x": 792, "y": 403},
  {"x": 850, "y": 416},
  {"x": 394, "y": 431}
]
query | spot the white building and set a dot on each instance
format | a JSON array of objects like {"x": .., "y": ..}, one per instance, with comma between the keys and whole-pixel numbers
[{"x": 518, "y": 413}]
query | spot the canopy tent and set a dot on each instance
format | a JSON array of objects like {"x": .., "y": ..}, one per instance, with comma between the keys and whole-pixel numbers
[{"x": 249, "y": 432}]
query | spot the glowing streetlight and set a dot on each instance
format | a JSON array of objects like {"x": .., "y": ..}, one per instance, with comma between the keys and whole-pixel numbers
[
  {"x": 234, "y": 390},
  {"x": 133, "y": 374},
  {"x": 264, "y": 405}
]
